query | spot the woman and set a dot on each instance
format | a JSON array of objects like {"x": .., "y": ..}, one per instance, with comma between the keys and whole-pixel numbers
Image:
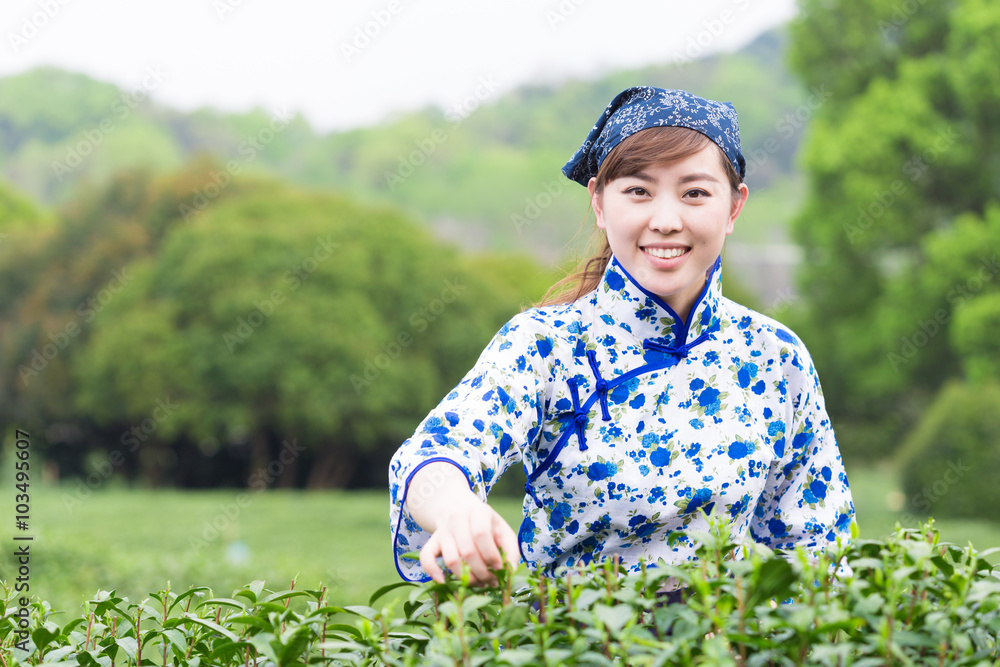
[{"x": 640, "y": 399}]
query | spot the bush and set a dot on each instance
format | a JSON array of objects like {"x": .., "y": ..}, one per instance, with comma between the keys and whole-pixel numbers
[
  {"x": 908, "y": 599},
  {"x": 974, "y": 337},
  {"x": 950, "y": 461}
]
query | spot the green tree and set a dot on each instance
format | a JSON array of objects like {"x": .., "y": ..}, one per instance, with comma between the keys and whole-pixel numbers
[
  {"x": 285, "y": 316},
  {"x": 905, "y": 145},
  {"x": 57, "y": 279},
  {"x": 263, "y": 315},
  {"x": 484, "y": 172}
]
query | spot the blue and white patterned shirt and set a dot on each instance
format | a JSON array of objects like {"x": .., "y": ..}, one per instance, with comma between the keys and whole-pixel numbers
[{"x": 629, "y": 420}]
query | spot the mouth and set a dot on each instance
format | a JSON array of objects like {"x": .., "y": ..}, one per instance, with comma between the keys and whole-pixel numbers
[{"x": 666, "y": 253}]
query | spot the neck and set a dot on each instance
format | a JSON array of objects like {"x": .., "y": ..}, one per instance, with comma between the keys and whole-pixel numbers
[{"x": 683, "y": 301}]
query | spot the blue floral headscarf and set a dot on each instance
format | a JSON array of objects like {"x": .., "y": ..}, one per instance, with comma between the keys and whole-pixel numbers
[{"x": 643, "y": 107}]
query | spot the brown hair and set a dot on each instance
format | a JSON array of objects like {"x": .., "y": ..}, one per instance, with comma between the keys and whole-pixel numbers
[{"x": 648, "y": 147}]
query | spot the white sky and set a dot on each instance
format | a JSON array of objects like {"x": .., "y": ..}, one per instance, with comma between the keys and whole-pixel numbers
[{"x": 234, "y": 54}]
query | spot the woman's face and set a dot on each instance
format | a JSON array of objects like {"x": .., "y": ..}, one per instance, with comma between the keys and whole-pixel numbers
[{"x": 667, "y": 224}]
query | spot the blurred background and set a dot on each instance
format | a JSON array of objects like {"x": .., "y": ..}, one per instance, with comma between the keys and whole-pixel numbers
[{"x": 245, "y": 247}]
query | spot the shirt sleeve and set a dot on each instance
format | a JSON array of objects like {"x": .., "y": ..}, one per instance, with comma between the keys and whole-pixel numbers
[
  {"x": 481, "y": 427},
  {"x": 807, "y": 501}
]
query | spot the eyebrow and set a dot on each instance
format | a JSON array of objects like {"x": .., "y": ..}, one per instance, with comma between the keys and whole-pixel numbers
[
  {"x": 642, "y": 176},
  {"x": 687, "y": 178},
  {"x": 698, "y": 176}
]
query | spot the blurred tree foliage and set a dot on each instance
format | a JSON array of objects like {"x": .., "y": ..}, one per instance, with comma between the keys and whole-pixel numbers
[
  {"x": 950, "y": 459},
  {"x": 192, "y": 326},
  {"x": 485, "y": 172},
  {"x": 278, "y": 336},
  {"x": 898, "y": 227}
]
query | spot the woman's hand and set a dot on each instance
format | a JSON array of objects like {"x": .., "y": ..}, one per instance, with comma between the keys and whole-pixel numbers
[
  {"x": 465, "y": 529},
  {"x": 473, "y": 534}
]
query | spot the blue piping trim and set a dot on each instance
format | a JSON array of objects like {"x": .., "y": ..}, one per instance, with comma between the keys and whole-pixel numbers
[
  {"x": 602, "y": 385},
  {"x": 679, "y": 351},
  {"x": 520, "y": 541},
  {"x": 550, "y": 459},
  {"x": 552, "y": 455},
  {"x": 681, "y": 327},
  {"x": 579, "y": 414},
  {"x": 406, "y": 490},
  {"x": 530, "y": 490}
]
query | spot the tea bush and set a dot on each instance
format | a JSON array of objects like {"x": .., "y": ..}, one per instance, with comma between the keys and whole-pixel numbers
[{"x": 909, "y": 599}]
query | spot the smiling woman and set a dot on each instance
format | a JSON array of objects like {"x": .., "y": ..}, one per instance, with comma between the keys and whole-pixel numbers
[
  {"x": 639, "y": 399},
  {"x": 667, "y": 221}
]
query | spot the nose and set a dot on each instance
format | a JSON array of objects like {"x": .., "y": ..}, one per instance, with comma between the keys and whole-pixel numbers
[{"x": 666, "y": 216}]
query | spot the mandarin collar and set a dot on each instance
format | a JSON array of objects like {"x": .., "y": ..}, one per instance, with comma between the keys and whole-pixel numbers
[{"x": 647, "y": 317}]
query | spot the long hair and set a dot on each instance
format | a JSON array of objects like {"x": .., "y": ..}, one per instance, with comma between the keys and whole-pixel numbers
[{"x": 648, "y": 147}]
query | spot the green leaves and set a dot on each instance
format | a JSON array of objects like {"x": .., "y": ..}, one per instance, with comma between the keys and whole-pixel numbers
[
  {"x": 897, "y": 225},
  {"x": 908, "y": 599}
]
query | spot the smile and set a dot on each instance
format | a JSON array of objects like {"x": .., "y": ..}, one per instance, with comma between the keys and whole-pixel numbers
[{"x": 665, "y": 253}]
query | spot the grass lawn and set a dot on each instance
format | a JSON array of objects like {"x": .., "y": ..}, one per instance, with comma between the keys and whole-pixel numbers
[{"x": 137, "y": 541}]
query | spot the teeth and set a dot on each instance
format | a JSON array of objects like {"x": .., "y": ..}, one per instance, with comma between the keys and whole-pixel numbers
[{"x": 666, "y": 253}]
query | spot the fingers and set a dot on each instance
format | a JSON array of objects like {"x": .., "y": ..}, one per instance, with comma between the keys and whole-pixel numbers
[
  {"x": 454, "y": 552},
  {"x": 473, "y": 537},
  {"x": 470, "y": 536},
  {"x": 507, "y": 540},
  {"x": 428, "y": 559},
  {"x": 483, "y": 534}
]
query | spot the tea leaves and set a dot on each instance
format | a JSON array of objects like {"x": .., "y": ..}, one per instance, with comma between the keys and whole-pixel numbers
[{"x": 909, "y": 599}]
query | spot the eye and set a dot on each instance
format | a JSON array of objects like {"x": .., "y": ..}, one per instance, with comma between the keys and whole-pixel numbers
[
  {"x": 696, "y": 193},
  {"x": 637, "y": 190}
]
